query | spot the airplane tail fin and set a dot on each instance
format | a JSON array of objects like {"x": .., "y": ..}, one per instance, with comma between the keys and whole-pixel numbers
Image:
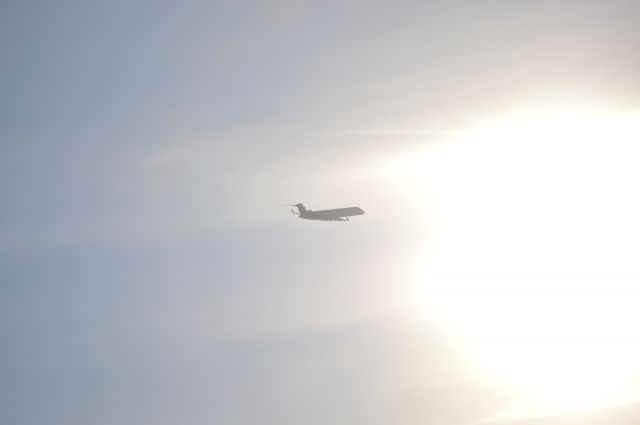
[{"x": 300, "y": 207}]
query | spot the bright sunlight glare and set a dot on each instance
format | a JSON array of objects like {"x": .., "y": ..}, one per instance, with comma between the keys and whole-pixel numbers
[{"x": 535, "y": 264}]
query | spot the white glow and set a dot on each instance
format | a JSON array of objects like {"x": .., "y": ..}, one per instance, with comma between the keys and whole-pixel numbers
[{"x": 536, "y": 263}]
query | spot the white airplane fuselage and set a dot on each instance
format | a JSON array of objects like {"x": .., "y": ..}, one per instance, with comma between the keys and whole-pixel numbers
[{"x": 338, "y": 214}]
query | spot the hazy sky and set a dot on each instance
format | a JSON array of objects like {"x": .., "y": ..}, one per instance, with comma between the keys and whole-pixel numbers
[{"x": 149, "y": 272}]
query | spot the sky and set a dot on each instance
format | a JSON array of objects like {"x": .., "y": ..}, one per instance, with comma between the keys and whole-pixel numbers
[{"x": 150, "y": 272}]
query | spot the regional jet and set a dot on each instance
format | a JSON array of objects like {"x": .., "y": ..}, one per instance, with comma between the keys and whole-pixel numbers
[{"x": 338, "y": 214}]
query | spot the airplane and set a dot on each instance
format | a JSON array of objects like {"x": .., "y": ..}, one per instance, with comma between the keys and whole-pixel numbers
[{"x": 338, "y": 214}]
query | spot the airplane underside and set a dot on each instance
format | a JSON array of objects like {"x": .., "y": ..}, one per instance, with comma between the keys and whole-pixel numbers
[{"x": 327, "y": 219}]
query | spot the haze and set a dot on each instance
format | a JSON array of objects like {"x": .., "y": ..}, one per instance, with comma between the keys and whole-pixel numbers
[{"x": 149, "y": 272}]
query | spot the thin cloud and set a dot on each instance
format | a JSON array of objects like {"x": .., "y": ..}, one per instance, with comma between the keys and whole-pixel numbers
[{"x": 384, "y": 132}]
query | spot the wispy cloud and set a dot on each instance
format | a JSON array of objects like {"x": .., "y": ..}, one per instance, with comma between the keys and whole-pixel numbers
[{"x": 392, "y": 132}]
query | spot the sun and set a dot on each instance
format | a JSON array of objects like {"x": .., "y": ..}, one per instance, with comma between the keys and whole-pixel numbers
[{"x": 535, "y": 261}]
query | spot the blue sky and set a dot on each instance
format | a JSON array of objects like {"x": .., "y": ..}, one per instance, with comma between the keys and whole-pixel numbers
[{"x": 149, "y": 272}]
